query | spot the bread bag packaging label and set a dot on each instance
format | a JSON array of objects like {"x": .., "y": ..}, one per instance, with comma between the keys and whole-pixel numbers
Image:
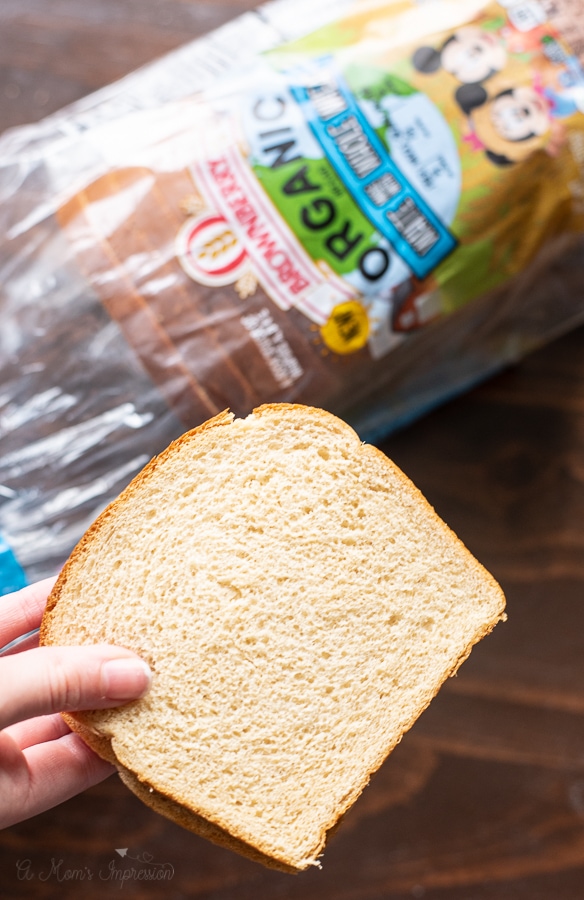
[{"x": 343, "y": 191}]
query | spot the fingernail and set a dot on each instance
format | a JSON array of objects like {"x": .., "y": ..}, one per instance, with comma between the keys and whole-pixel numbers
[{"x": 125, "y": 679}]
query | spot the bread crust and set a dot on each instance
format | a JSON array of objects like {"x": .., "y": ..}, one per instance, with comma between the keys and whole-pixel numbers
[
  {"x": 221, "y": 419},
  {"x": 171, "y": 806}
]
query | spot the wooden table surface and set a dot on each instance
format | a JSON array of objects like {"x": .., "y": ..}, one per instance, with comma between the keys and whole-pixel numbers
[{"x": 484, "y": 798}]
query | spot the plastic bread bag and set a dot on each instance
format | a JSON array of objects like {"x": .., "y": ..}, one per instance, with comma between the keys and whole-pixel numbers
[{"x": 366, "y": 205}]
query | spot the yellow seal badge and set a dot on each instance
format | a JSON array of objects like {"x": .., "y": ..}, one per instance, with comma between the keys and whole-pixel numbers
[{"x": 347, "y": 329}]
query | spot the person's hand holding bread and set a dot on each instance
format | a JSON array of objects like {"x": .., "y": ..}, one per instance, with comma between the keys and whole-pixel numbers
[{"x": 42, "y": 763}]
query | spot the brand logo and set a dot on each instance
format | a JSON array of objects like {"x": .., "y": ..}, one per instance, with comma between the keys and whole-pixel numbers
[{"x": 210, "y": 252}]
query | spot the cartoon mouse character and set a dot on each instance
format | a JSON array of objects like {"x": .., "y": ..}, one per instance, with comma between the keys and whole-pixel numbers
[
  {"x": 470, "y": 54},
  {"x": 508, "y": 126}
]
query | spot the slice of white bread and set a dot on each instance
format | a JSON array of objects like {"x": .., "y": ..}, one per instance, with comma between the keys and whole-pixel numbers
[{"x": 299, "y": 603}]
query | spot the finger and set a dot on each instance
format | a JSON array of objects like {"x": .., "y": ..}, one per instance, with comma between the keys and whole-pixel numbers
[
  {"x": 37, "y": 731},
  {"x": 49, "y": 774},
  {"x": 23, "y": 610},
  {"x": 56, "y": 679}
]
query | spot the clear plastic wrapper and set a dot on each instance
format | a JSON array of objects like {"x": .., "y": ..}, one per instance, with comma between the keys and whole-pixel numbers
[{"x": 366, "y": 205}]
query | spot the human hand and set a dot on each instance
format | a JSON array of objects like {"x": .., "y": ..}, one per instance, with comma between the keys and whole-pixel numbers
[{"x": 42, "y": 762}]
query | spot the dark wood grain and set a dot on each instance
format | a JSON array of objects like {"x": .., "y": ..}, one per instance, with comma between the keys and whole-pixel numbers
[
  {"x": 484, "y": 798},
  {"x": 54, "y": 52}
]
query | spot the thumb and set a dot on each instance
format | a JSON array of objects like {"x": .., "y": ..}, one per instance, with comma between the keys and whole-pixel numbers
[{"x": 56, "y": 679}]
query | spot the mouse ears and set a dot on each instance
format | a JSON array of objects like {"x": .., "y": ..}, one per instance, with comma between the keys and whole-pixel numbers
[
  {"x": 470, "y": 96},
  {"x": 427, "y": 60}
]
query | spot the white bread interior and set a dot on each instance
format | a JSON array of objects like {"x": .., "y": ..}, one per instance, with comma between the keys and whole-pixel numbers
[{"x": 299, "y": 602}]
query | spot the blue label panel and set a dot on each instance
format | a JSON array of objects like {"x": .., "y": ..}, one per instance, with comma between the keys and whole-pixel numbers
[
  {"x": 12, "y": 576},
  {"x": 370, "y": 175}
]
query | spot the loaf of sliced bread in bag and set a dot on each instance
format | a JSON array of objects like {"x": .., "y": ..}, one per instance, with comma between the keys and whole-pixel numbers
[{"x": 299, "y": 603}]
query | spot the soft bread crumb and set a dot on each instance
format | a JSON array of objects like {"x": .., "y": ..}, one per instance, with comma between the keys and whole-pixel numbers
[{"x": 300, "y": 604}]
